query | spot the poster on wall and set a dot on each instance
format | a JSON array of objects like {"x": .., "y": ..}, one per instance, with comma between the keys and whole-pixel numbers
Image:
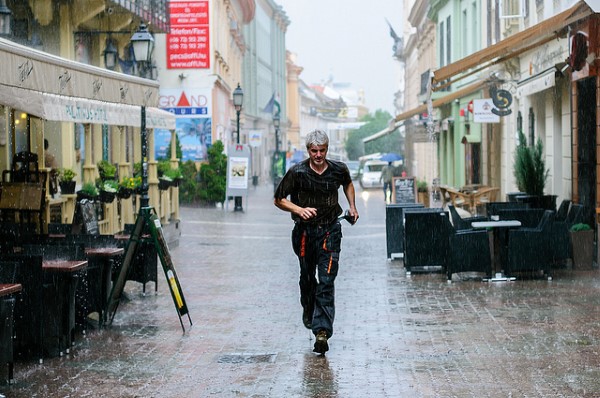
[
  {"x": 188, "y": 45},
  {"x": 193, "y": 124}
]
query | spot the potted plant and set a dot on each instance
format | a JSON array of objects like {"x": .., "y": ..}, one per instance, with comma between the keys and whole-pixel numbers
[
  {"x": 174, "y": 174},
  {"x": 107, "y": 170},
  {"x": 164, "y": 182},
  {"x": 126, "y": 187},
  {"x": 423, "y": 192},
  {"x": 531, "y": 173},
  {"x": 108, "y": 190},
  {"x": 88, "y": 191},
  {"x": 66, "y": 181},
  {"x": 582, "y": 243}
]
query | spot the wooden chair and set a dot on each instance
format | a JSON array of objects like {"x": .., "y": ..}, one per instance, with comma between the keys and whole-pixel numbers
[
  {"x": 460, "y": 199},
  {"x": 483, "y": 196}
]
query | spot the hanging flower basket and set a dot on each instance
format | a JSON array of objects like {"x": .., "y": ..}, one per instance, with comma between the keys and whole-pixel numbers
[
  {"x": 81, "y": 195},
  {"x": 107, "y": 197},
  {"x": 177, "y": 181},
  {"x": 164, "y": 184},
  {"x": 124, "y": 193}
]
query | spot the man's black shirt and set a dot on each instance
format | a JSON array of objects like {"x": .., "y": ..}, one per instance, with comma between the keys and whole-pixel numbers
[{"x": 307, "y": 188}]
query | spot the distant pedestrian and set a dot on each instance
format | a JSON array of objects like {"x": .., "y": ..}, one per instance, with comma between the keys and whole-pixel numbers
[
  {"x": 387, "y": 176},
  {"x": 312, "y": 187},
  {"x": 50, "y": 163}
]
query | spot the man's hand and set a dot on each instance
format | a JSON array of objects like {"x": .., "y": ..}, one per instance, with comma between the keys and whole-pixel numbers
[
  {"x": 306, "y": 213},
  {"x": 354, "y": 214}
]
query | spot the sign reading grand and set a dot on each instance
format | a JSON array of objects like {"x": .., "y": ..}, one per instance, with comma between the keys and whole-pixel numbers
[{"x": 188, "y": 43}]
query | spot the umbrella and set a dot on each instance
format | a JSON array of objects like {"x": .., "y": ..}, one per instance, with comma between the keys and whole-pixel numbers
[{"x": 390, "y": 157}]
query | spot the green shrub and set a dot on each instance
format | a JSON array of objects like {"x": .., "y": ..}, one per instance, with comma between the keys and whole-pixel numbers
[
  {"x": 213, "y": 175},
  {"x": 580, "y": 227},
  {"x": 173, "y": 174},
  {"x": 422, "y": 186},
  {"x": 66, "y": 174},
  {"x": 162, "y": 167},
  {"x": 106, "y": 169},
  {"x": 89, "y": 188},
  {"x": 110, "y": 186},
  {"x": 529, "y": 167}
]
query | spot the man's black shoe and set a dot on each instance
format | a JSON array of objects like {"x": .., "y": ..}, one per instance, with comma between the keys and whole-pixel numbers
[
  {"x": 321, "y": 345},
  {"x": 307, "y": 318}
]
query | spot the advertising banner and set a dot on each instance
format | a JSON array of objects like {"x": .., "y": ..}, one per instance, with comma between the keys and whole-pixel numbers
[
  {"x": 193, "y": 125},
  {"x": 188, "y": 44},
  {"x": 238, "y": 168}
]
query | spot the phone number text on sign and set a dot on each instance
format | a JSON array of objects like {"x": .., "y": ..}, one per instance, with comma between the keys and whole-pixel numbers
[{"x": 188, "y": 45}]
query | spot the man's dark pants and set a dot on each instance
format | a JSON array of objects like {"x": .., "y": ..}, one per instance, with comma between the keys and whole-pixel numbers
[{"x": 318, "y": 250}]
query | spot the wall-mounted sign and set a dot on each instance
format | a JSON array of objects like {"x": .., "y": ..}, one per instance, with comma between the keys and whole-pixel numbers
[
  {"x": 254, "y": 138},
  {"x": 502, "y": 100},
  {"x": 188, "y": 45},
  {"x": 482, "y": 111}
]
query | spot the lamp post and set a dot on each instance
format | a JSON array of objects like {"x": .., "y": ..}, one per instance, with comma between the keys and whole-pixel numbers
[
  {"x": 238, "y": 100},
  {"x": 276, "y": 124},
  {"x": 277, "y": 172},
  {"x": 143, "y": 43}
]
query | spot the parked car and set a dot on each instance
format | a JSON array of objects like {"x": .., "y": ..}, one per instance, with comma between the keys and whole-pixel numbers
[
  {"x": 371, "y": 174},
  {"x": 353, "y": 166}
]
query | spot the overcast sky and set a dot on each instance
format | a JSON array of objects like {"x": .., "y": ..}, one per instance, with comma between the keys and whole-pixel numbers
[{"x": 350, "y": 40}]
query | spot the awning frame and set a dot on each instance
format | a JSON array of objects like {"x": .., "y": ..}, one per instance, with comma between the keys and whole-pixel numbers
[{"x": 543, "y": 32}]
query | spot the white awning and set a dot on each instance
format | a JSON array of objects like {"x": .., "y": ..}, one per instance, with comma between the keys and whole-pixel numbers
[
  {"x": 62, "y": 108},
  {"x": 384, "y": 132},
  {"x": 157, "y": 118}
]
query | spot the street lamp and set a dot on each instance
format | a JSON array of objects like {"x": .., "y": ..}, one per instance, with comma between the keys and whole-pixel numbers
[
  {"x": 276, "y": 156},
  {"x": 238, "y": 100},
  {"x": 143, "y": 45},
  {"x": 111, "y": 55},
  {"x": 276, "y": 124}
]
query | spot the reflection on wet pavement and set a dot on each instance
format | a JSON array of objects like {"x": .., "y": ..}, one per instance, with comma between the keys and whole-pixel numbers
[{"x": 395, "y": 336}]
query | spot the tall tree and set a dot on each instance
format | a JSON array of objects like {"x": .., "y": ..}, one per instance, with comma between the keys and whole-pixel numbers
[{"x": 376, "y": 122}]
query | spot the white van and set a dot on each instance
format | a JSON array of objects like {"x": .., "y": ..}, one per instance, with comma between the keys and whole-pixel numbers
[{"x": 371, "y": 174}]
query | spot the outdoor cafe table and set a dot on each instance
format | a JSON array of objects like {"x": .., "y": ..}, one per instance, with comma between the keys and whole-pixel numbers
[
  {"x": 9, "y": 288},
  {"x": 498, "y": 227},
  {"x": 62, "y": 274},
  {"x": 6, "y": 289},
  {"x": 104, "y": 257}
]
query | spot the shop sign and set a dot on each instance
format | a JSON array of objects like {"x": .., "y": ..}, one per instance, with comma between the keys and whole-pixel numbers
[{"x": 483, "y": 111}]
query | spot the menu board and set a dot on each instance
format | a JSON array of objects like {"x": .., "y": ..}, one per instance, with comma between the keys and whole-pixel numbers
[
  {"x": 86, "y": 219},
  {"x": 404, "y": 190}
]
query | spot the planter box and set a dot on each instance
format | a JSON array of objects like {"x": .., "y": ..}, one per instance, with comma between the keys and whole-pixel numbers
[
  {"x": 582, "y": 243},
  {"x": 423, "y": 197}
]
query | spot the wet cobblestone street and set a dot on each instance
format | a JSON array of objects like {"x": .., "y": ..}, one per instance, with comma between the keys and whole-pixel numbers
[{"x": 395, "y": 336}]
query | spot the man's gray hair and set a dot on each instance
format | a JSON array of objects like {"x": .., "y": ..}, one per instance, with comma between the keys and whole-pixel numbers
[{"x": 316, "y": 137}]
